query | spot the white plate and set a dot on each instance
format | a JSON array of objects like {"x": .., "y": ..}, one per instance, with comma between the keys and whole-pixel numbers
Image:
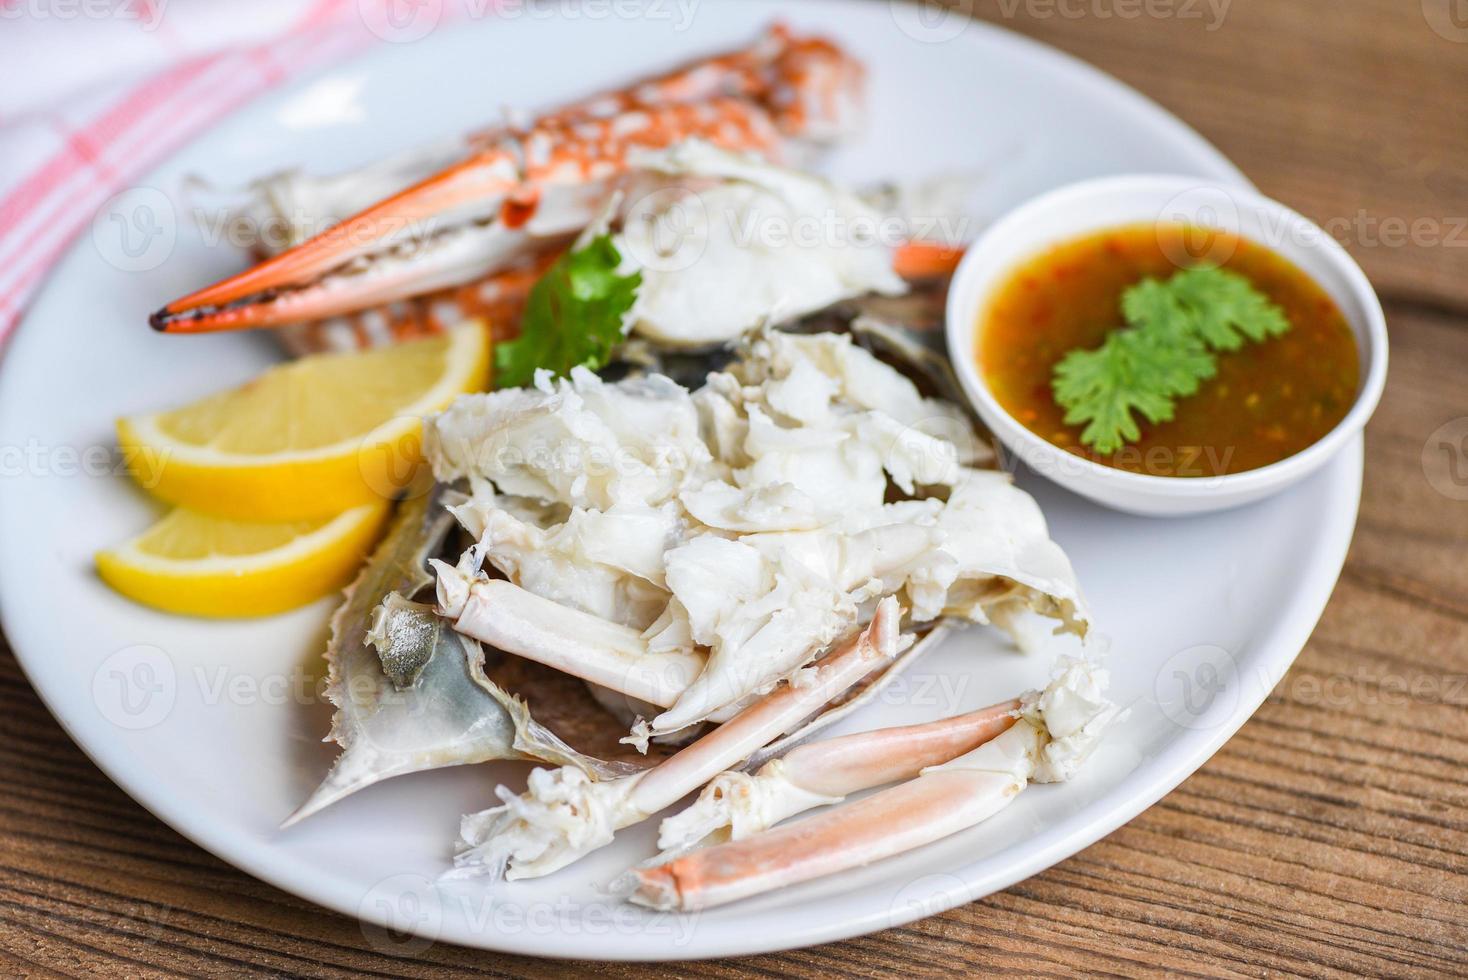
[{"x": 203, "y": 722}]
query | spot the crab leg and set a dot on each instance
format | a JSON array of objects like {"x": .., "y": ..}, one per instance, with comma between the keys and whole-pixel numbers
[
  {"x": 786, "y": 642},
  {"x": 772, "y": 715},
  {"x": 1056, "y": 730},
  {"x": 564, "y": 815},
  {"x": 909, "y": 815},
  {"x": 738, "y": 804},
  {"x": 614, "y": 656}
]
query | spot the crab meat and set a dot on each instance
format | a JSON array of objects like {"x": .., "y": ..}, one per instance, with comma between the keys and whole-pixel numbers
[
  {"x": 762, "y": 243},
  {"x": 563, "y": 815},
  {"x": 577, "y": 444},
  {"x": 749, "y": 523},
  {"x": 1057, "y": 728}
]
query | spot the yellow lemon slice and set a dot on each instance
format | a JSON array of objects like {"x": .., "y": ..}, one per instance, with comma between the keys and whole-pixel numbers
[
  {"x": 210, "y": 566},
  {"x": 307, "y": 439}
]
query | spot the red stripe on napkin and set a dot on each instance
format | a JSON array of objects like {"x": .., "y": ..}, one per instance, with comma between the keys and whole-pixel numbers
[{"x": 96, "y": 157}]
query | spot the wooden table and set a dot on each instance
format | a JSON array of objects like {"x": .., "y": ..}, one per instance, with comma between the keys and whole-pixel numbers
[{"x": 1330, "y": 835}]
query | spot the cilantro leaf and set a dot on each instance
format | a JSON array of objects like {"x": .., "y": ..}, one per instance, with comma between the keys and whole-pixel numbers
[
  {"x": 1152, "y": 304},
  {"x": 1218, "y": 307},
  {"x": 573, "y": 316},
  {"x": 1164, "y": 353},
  {"x": 1130, "y": 371},
  {"x": 1226, "y": 308}
]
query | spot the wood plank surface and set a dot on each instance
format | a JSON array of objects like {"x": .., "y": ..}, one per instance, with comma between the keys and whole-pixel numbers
[{"x": 1330, "y": 836}]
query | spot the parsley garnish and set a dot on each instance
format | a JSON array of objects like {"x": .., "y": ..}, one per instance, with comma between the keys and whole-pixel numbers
[
  {"x": 573, "y": 316},
  {"x": 1166, "y": 350}
]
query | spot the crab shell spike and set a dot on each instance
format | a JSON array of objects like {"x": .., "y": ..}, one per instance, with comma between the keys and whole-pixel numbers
[{"x": 449, "y": 713}]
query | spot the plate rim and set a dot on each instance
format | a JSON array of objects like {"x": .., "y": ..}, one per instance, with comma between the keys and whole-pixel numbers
[{"x": 1146, "y": 784}]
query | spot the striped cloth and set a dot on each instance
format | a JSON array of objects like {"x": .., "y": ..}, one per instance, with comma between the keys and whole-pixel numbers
[{"x": 99, "y": 91}]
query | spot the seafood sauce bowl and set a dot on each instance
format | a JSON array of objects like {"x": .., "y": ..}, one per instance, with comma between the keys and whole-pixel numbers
[{"x": 1214, "y": 213}]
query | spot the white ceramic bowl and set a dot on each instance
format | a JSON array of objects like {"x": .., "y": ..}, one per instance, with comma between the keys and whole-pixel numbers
[{"x": 1095, "y": 205}]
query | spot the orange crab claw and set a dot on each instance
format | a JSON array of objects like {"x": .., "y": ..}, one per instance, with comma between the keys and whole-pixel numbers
[{"x": 483, "y": 181}]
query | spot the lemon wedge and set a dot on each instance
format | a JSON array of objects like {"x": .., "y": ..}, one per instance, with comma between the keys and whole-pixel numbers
[
  {"x": 210, "y": 566},
  {"x": 308, "y": 439}
]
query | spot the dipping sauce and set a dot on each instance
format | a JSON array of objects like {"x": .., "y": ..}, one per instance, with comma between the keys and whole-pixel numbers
[{"x": 1267, "y": 401}]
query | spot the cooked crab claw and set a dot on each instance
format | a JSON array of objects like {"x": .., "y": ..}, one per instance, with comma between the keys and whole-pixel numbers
[
  {"x": 455, "y": 227},
  {"x": 519, "y": 190},
  {"x": 1055, "y": 731},
  {"x": 564, "y": 815}
]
